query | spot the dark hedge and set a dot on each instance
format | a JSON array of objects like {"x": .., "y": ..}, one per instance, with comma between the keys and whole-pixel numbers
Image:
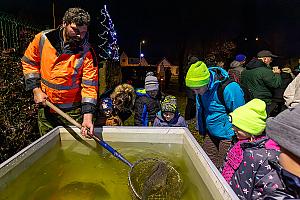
[{"x": 18, "y": 113}]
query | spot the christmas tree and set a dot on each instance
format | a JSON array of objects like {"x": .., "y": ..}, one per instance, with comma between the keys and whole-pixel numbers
[{"x": 108, "y": 47}]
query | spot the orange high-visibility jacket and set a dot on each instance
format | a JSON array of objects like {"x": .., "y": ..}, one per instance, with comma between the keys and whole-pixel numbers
[{"x": 68, "y": 79}]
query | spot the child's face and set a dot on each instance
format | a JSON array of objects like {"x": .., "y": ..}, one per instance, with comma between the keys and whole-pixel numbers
[
  {"x": 289, "y": 162},
  {"x": 168, "y": 116},
  {"x": 153, "y": 93},
  {"x": 241, "y": 135},
  {"x": 200, "y": 90},
  {"x": 108, "y": 112}
]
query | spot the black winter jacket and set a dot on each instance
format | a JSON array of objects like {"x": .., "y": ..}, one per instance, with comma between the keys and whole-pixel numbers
[{"x": 145, "y": 109}]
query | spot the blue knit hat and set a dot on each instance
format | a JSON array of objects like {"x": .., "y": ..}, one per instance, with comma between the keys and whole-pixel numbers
[
  {"x": 240, "y": 57},
  {"x": 106, "y": 104}
]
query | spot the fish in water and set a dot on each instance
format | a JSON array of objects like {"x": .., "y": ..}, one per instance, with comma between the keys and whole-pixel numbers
[
  {"x": 81, "y": 190},
  {"x": 157, "y": 179}
]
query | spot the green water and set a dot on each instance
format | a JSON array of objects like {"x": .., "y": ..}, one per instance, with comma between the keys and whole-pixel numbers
[{"x": 72, "y": 171}]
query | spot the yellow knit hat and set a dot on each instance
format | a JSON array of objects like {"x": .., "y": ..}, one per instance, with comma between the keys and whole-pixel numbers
[
  {"x": 197, "y": 76},
  {"x": 250, "y": 117}
]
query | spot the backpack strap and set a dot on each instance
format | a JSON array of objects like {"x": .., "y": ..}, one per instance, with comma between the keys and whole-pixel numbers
[
  {"x": 220, "y": 92},
  {"x": 233, "y": 74}
]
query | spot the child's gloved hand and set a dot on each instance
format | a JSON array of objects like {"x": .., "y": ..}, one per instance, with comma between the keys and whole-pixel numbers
[{"x": 113, "y": 121}]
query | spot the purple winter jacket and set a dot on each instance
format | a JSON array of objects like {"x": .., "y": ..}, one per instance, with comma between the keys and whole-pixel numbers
[{"x": 247, "y": 162}]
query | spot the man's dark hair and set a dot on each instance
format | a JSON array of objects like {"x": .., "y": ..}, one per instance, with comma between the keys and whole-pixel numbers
[{"x": 78, "y": 16}]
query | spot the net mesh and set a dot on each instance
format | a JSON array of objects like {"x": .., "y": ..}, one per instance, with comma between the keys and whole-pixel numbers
[{"x": 154, "y": 179}]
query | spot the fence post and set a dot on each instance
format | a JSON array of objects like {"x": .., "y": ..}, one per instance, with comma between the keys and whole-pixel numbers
[{"x": 11, "y": 30}]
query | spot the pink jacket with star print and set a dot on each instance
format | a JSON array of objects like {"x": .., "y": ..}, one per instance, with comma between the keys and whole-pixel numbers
[{"x": 246, "y": 163}]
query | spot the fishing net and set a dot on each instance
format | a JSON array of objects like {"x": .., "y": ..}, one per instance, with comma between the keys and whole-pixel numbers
[{"x": 154, "y": 179}]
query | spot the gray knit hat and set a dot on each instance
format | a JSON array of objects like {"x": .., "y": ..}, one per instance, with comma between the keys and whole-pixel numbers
[
  {"x": 285, "y": 129},
  {"x": 235, "y": 64},
  {"x": 151, "y": 82}
]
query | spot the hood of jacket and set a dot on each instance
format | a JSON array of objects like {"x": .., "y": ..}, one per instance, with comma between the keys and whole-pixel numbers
[
  {"x": 141, "y": 92},
  {"x": 235, "y": 64},
  {"x": 256, "y": 63},
  {"x": 218, "y": 75},
  {"x": 290, "y": 181}
]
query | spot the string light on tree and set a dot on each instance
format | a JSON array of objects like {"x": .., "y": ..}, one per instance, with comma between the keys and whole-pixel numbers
[{"x": 109, "y": 49}]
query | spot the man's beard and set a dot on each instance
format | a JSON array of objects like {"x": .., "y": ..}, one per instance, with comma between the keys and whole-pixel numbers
[{"x": 73, "y": 42}]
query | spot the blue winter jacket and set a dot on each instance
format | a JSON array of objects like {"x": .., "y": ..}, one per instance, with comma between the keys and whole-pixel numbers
[{"x": 212, "y": 115}]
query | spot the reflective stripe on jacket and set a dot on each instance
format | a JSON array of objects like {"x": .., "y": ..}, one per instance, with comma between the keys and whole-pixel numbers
[
  {"x": 68, "y": 79},
  {"x": 145, "y": 108}
]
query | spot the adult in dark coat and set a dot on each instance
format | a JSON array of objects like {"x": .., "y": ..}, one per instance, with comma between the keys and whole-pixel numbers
[
  {"x": 168, "y": 75},
  {"x": 259, "y": 78},
  {"x": 277, "y": 94},
  {"x": 190, "y": 109}
]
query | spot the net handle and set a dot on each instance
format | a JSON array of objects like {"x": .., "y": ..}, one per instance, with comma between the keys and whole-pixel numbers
[{"x": 97, "y": 139}]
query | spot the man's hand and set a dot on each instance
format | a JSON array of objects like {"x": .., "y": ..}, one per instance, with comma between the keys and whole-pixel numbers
[
  {"x": 87, "y": 125},
  {"x": 276, "y": 70},
  {"x": 39, "y": 96}
]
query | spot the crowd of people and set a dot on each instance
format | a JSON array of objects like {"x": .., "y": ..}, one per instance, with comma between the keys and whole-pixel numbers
[
  {"x": 250, "y": 132},
  {"x": 251, "y": 127}
]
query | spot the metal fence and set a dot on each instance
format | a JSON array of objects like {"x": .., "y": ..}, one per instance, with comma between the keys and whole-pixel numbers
[{"x": 15, "y": 33}]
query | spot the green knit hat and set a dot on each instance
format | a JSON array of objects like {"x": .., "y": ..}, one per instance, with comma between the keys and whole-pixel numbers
[
  {"x": 169, "y": 104},
  {"x": 197, "y": 76},
  {"x": 250, "y": 117}
]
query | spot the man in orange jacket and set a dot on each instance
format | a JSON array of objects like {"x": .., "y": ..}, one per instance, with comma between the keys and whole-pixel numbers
[{"x": 59, "y": 66}]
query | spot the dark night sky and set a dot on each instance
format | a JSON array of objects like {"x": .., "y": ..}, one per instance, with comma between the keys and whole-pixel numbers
[{"x": 167, "y": 26}]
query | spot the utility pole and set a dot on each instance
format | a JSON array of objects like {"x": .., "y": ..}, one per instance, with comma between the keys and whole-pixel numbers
[
  {"x": 53, "y": 14},
  {"x": 141, "y": 42}
]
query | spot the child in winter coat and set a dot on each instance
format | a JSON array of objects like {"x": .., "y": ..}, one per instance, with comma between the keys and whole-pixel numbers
[
  {"x": 116, "y": 107},
  {"x": 211, "y": 111},
  {"x": 169, "y": 115},
  {"x": 283, "y": 182},
  {"x": 106, "y": 115},
  {"x": 123, "y": 98},
  {"x": 247, "y": 161},
  {"x": 236, "y": 68},
  {"x": 147, "y": 103}
]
